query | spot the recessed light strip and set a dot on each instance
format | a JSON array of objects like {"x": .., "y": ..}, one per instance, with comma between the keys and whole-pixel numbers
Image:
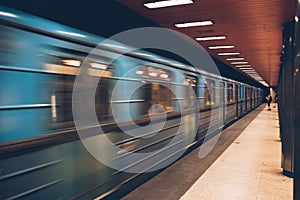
[
  {"x": 242, "y": 66},
  {"x": 221, "y": 47},
  {"x": 228, "y": 54},
  {"x": 167, "y": 3},
  {"x": 191, "y": 24},
  {"x": 211, "y": 38},
  {"x": 247, "y": 68},
  {"x": 235, "y": 58},
  {"x": 238, "y": 63}
]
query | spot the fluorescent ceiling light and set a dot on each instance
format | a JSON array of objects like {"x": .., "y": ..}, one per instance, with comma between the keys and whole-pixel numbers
[
  {"x": 235, "y": 58},
  {"x": 71, "y": 34},
  {"x": 243, "y": 66},
  {"x": 228, "y": 54},
  {"x": 161, "y": 4},
  {"x": 238, "y": 63},
  {"x": 247, "y": 68},
  {"x": 211, "y": 38},
  {"x": 221, "y": 47},
  {"x": 191, "y": 24},
  {"x": 8, "y": 14}
]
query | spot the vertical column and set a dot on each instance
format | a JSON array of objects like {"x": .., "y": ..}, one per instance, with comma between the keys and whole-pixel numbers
[
  {"x": 286, "y": 108},
  {"x": 296, "y": 105}
]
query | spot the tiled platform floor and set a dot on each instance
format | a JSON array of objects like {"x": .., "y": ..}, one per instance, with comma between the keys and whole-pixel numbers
[{"x": 249, "y": 168}]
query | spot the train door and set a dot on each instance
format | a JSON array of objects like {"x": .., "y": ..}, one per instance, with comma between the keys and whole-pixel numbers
[
  {"x": 237, "y": 97},
  {"x": 241, "y": 99},
  {"x": 222, "y": 102},
  {"x": 190, "y": 106},
  {"x": 246, "y": 99}
]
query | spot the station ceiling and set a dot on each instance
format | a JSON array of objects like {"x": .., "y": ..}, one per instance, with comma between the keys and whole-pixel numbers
[{"x": 253, "y": 27}]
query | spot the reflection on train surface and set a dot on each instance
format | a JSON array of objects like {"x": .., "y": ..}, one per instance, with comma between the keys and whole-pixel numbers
[{"x": 41, "y": 152}]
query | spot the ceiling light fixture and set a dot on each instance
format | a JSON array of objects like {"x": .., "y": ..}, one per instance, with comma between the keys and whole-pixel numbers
[
  {"x": 221, "y": 47},
  {"x": 238, "y": 63},
  {"x": 167, "y": 3},
  {"x": 235, "y": 58},
  {"x": 228, "y": 54},
  {"x": 191, "y": 24},
  {"x": 247, "y": 68},
  {"x": 211, "y": 38},
  {"x": 243, "y": 66}
]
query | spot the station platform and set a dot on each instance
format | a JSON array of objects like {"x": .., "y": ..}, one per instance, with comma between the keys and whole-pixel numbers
[{"x": 244, "y": 164}]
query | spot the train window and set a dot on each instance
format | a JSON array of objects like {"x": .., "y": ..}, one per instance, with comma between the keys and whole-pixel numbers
[
  {"x": 157, "y": 98},
  {"x": 63, "y": 64},
  {"x": 241, "y": 92},
  {"x": 209, "y": 92},
  {"x": 248, "y": 93},
  {"x": 192, "y": 81},
  {"x": 150, "y": 72},
  {"x": 190, "y": 91},
  {"x": 230, "y": 97}
]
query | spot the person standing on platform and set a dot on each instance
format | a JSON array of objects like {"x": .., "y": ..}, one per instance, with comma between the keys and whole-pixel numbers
[{"x": 269, "y": 100}]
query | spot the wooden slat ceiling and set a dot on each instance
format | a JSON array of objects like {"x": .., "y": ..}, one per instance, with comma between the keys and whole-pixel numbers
[{"x": 254, "y": 27}]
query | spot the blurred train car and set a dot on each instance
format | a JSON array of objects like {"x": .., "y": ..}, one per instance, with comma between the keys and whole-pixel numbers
[{"x": 41, "y": 152}]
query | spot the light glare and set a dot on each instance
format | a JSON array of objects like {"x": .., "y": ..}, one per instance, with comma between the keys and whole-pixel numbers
[
  {"x": 71, "y": 34},
  {"x": 8, "y": 14}
]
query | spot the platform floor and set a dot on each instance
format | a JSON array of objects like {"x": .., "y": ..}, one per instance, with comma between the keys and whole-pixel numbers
[
  {"x": 244, "y": 165},
  {"x": 249, "y": 168}
]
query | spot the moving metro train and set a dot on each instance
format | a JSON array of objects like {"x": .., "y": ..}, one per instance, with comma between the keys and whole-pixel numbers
[{"x": 42, "y": 154}]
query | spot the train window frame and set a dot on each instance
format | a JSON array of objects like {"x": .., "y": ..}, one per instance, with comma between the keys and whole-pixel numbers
[
  {"x": 209, "y": 92},
  {"x": 230, "y": 93}
]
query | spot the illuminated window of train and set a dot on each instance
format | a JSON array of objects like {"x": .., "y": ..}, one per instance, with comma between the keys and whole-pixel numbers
[
  {"x": 190, "y": 91},
  {"x": 61, "y": 60},
  {"x": 201, "y": 90},
  {"x": 157, "y": 98},
  {"x": 155, "y": 95},
  {"x": 150, "y": 72},
  {"x": 191, "y": 81},
  {"x": 63, "y": 64},
  {"x": 209, "y": 92},
  {"x": 248, "y": 93},
  {"x": 230, "y": 97}
]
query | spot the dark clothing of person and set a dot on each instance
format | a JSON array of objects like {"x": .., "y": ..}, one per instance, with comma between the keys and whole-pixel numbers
[{"x": 269, "y": 100}]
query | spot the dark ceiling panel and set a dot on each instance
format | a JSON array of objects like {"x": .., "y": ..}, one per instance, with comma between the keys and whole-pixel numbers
[{"x": 253, "y": 27}]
